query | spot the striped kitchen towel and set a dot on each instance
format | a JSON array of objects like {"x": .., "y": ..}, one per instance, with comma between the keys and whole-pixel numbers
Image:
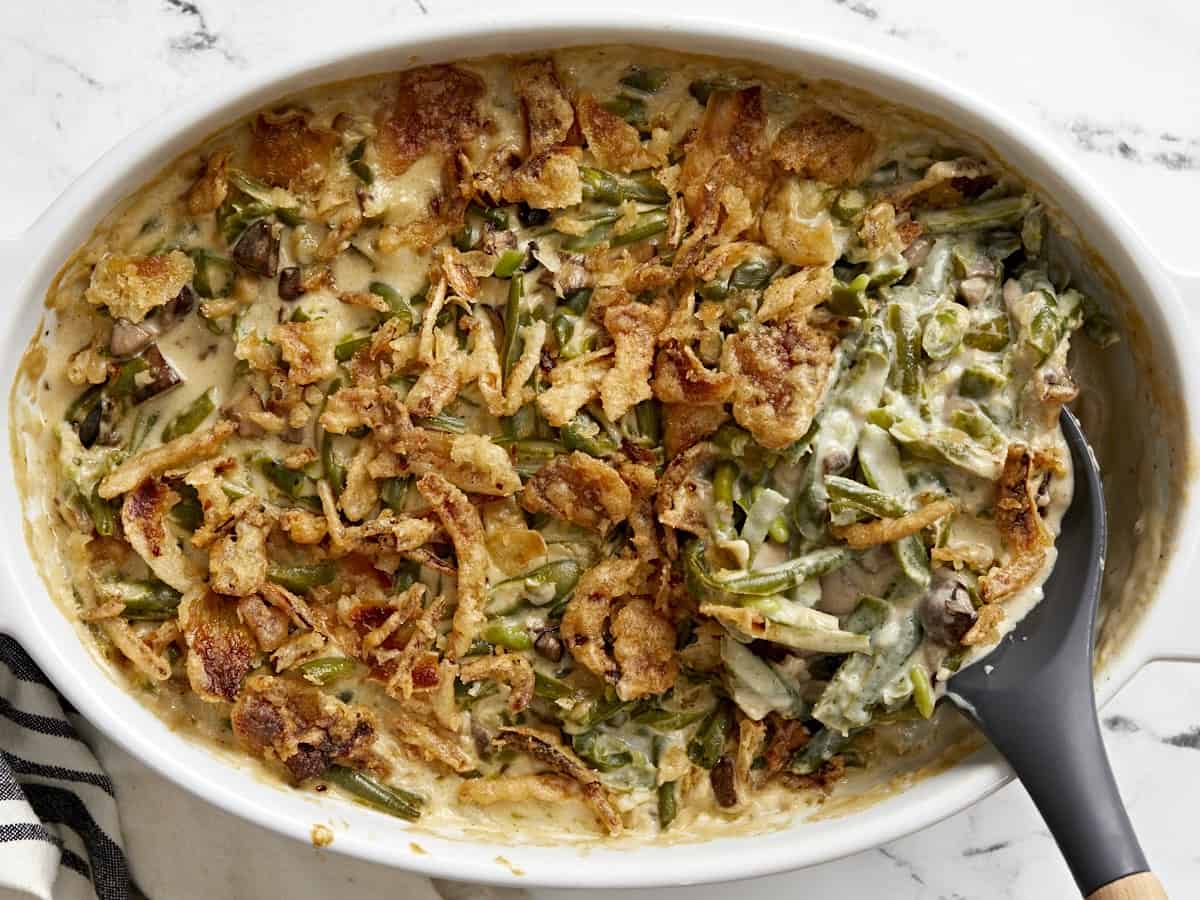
[{"x": 59, "y": 833}]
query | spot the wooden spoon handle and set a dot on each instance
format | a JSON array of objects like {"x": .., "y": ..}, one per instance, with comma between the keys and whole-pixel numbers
[{"x": 1142, "y": 886}]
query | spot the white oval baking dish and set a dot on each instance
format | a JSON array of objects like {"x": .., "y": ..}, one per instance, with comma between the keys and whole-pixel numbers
[{"x": 1168, "y": 306}]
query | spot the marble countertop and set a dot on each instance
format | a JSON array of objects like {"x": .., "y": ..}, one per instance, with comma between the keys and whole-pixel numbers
[{"x": 1110, "y": 83}]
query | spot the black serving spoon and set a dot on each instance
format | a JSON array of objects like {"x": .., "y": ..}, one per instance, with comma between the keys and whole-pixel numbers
[{"x": 1032, "y": 696}]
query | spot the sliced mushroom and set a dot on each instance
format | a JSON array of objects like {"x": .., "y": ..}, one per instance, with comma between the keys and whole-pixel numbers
[{"x": 257, "y": 250}]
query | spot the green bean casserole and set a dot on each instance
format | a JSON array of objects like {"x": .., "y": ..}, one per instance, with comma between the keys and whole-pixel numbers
[{"x": 559, "y": 444}]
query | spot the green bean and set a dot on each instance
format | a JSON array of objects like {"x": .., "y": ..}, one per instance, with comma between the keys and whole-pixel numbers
[
  {"x": 124, "y": 383},
  {"x": 327, "y": 669},
  {"x": 648, "y": 415},
  {"x": 348, "y": 346},
  {"x": 669, "y": 720},
  {"x": 364, "y": 787},
  {"x": 850, "y": 299},
  {"x": 631, "y": 109},
  {"x": 190, "y": 418},
  {"x": 443, "y": 422},
  {"x": 984, "y": 214},
  {"x": 980, "y": 381},
  {"x": 779, "y": 531},
  {"x": 647, "y": 225},
  {"x": 870, "y": 614},
  {"x": 849, "y": 205},
  {"x": 237, "y": 213},
  {"x": 550, "y": 688},
  {"x": 667, "y": 809},
  {"x": 615, "y": 188},
  {"x": 469, "y": 235},
  {"x": 511, "y": 350},
  {"x": 859, "y": 683},
  {"x": 585, "y": 434},
  {"x": 724, "y": 478},
  {"x": 102, "y": 512},
  {"x": 400, "y": 308},
  {"x": 867, "y": 499},
  {"x": 506, "y": 634},
  {"x": 602, "y": 710},
  {"x": 302, "y": 578},
  {"x": 647, "y": 79},
  {"x": 563, "y": 574},
  {"x": 363, "y": 171},
  {"x": 357, "y": 151},
  {"x": 508, "y": 264},
  {"x": 577, "y": 301},
  {"x": 922, "y": 690},
  {"x": 288, "y": 481},
  {"x": 213, "y": 275},
  {"x": 187, "y": 513},
  {"x": 991, "y": 333},
  {"x": 979, "y": 427},
  {"x": 149, "y": 601},
  {"x": 142, "y": 426},
  {"x": 785, "y": 576},
  {"x": 753, "y": 274},
  {"x": 945, "y": 330},
  {"x": 820, "y": 749},
  {"x": 563, "y": 327},
  {"x": 1045, "y": 327},
  {"x": 708, "y": 743},
  {"x": 948, "y": 445},
  {"x": 394, "y": 492},
  {"x": 905, "y": 328},
  {"x": 603, "y": 752},
  {"x": 332, "y": 468}
]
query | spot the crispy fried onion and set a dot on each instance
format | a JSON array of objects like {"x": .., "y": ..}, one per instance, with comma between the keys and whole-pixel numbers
[
  {"x": 237, "y": 562},
  {"x": 303, "y": 728},
  {"x": 634, "y": 328},
  {"x": 726, "y": 164},
  {"x": 684, "y": 493},
  {"x": 824, "y": 146},
  {"x": 615, "y": 143},
  {"x": 432, "y": 742},
  {"x": 643, "y": 656},
  {"x": 579, "y": 489},
  {"x": 781, "y": 372},
  {"x": 461, "y": 521},
  {"x": 861, "y": 535},
  {"x": 507, "y": 668},
  {"x": 470, "y": 462},
  {"x": 143, "y": 517},
  {"x": 1025, "y": 536},
  {"x": 686, "y": 424},
  {"x": 548, "y": 113},
  {"x": 549, "y": 751},
  {"x": 548, "y": 787},
  {"x": 434, "y": 109},
  {"x": 221, "y": 650},
  {"x": 157, "y": 460},
  {"x": 572, "y": 384},
  {"x": 131, "y": 286}
]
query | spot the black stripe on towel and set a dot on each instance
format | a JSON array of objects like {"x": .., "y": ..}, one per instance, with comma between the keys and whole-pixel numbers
[
  {"x": 61, "y": 807},
  {"x": 26, "y": 767},
  {"x": 41, "y": 724}
]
